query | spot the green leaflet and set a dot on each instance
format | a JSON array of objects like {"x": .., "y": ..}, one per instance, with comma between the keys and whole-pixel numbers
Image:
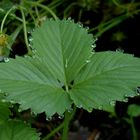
[
  {"x": 109, "y": 76},
  {"x": 65, "y": 46},
  {"x": 16, "y": 130},
  {"x": 28, "y": 82},
  {"x": 63, "y": 59}
]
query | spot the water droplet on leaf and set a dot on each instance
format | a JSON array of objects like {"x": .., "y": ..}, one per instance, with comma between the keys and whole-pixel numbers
[
  {"x": 80, "y": 24},
  {"x": 90, "y": 109},
  {"x": 100, "y": 107},
  {"x": 49, "y": 118},
  {"x": 87, "y": 28},
  {"x": 125, "y": 100},
  {"x": 30, "y": 39},
  {"x": 87, "y": 61},
  {"x": 69, "y": 18},
  {"x": 112, "y": 103},
  {"x": 61, "y": 116},
  {"x": 6, "y": 59},
  {"x": 19, "y": 110},
  {"x": 79, "y": 106},
  {"x": 70, "y": 110}
]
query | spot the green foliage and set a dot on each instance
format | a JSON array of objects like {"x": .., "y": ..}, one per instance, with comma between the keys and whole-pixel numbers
[
  {"x": 110, "y": 76},
  {"x": 134, "y": 110},
  {"x": 4, "y": 110},
  {"x": 64, "y": 70},
  {"x": 16, "y": 130}
]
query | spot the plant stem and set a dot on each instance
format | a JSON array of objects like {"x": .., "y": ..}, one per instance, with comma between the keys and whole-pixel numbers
[
  {"x": 2, "y": 24},
  {"x": 25, "y": 31},
  {"x": 133, "y": 128},
  {"x": 44, "y": 7},
  {"x": 53, "y": 132},
  {"x": 66, "y": 126}
]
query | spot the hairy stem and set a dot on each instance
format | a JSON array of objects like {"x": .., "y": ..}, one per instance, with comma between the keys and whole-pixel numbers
[
  {"x": 133, "y": 128},
  {"x": 3, "y": 21},
  {"x": 25, "y": 31},
  {"x": 66, "y": 126},
  {"x": 53, "y": 132},
  {"x": 43, "y": 7}
]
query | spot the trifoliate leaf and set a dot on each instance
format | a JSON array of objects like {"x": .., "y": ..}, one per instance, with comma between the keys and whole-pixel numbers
[
  {"x": 134, "y": 110},
  {"x": 108, "y": 77},
  {"x": 63, "y": 72},
  {"x": 62, "y": 49},
  {"x": 16, "y": 130}
]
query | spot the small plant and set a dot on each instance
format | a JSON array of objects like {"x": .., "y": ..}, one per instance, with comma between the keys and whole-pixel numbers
[
  {"x": 64, "y": 73},
  {"x": 133, "y": 111}
]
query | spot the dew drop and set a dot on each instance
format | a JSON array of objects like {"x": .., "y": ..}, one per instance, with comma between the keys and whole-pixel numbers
[
  {"x": 79, "y": 106},
  {"x": 137, "y": 94},
  {"x": 87, "y": 28},
  {"x": 119, "y": 50},
  {"x": 132, "y": 95},
  {"x": 80, "y": 24},
  {"x": 125, "y": 100},
  {"x": 69, "y": 18},
  {"x": 93, "y": 46},
  {"x": 92, "y": 52},
  {"x": 70, "y": 110},
  {"x": 49, "y": 118},
  {"x": 6, "y": 59},
  {"x": 87, "y": 61},
  {"x": 90, "y": 109},
  {"x": 61, "y": 116},
  {"x": 100, "y": 108},
  {"x": 126, "y": 95},
  {"x": 19, "y": 110},
  {"x": 112, "y": 103},
  {"x": 31, "y": 39},
  {"x": 30, "y": 45}
]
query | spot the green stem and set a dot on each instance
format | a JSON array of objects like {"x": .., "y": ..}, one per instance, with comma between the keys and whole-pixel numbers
[
  {"x": 3, "y": 21},
  {"x": 12, "y": 15},
  {"x": 118, "y": 4},
  {"x": 66, "y": 126},
  {"x": 133, "y": 128},
  {"x": 25, "y": 31},
  {"x": 108, "y": 25},
  {"x": 116, "y": 22},
  {"x": 61, "y": 126},
  {"x": 53, "y": 132},
  {"x": 44, "y": 7},
  {"x": 67, "y": 119}
]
